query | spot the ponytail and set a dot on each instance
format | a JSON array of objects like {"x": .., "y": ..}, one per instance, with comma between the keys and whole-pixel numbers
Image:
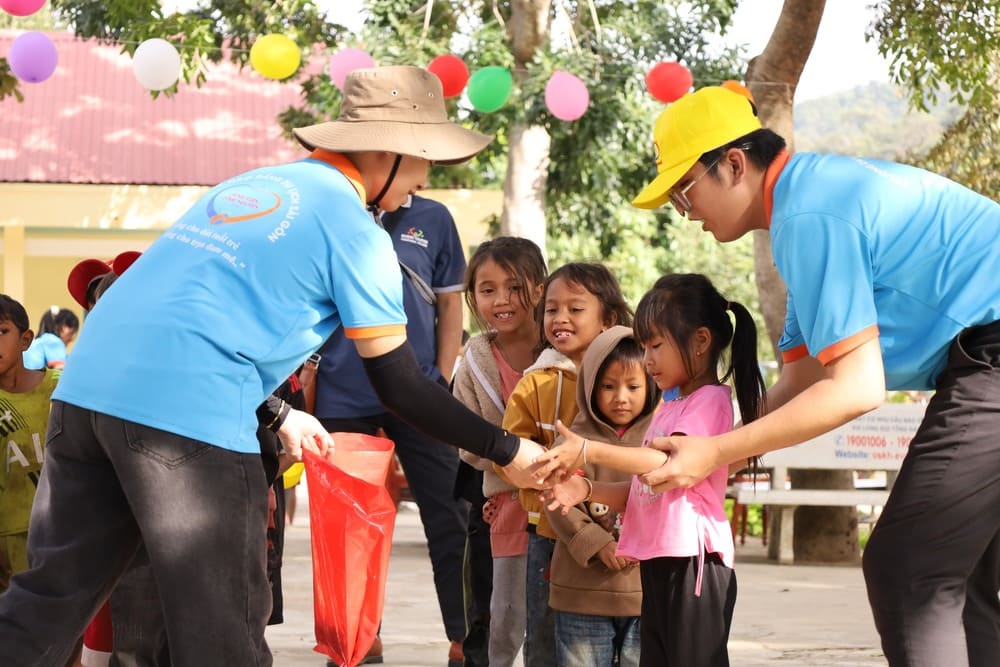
[{"x": 743, "y": 366}]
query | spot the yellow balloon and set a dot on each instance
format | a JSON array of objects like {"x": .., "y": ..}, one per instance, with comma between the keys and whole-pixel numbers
[{"x": 275, "y": 56}]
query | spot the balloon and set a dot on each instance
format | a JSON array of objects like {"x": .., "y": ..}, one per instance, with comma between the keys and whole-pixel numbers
[
  {"x": 566, "y": 97},
  {"x": 345, "y": 61},
  {"x": 21, "y": 7},
  {"x": 32, "y": 57},
  {"x": 489, "y": 88},
  {"x": 452, "y": 72},
  {"x": 156, "y": 64},
  {"x": 667, "y": 82},
  {"x": 275, "y": 56}
]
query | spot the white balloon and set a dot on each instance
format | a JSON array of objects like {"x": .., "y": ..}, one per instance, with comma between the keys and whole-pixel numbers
[{"x": 156, "y": 64}]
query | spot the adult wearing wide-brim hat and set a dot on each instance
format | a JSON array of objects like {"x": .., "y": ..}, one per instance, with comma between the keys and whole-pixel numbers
[
  {"x": 155, "y": 418},
  {"x": 892, "y": 283}
]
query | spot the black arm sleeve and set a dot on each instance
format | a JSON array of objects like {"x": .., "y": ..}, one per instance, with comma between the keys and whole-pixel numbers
[
  {"x": 272, "y": 412},
  {"x": 427, "y": 406}
]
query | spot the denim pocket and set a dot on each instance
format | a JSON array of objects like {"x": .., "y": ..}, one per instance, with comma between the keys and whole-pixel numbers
[{"x": 170, "y": 449}]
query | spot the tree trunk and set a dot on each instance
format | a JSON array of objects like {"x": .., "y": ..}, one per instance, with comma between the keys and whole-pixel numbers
[
  {"x": 524, "y": 188},
  {"x": 528, "y": 158},
  {"x": 825, "y": 534}
]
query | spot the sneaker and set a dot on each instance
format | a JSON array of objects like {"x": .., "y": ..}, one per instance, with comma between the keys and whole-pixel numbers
[{"x": 456, "y": 656}]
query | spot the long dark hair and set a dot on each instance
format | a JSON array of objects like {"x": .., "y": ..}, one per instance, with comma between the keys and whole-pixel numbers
[
  {"x": 56, "y": 318},
  {"x": 520, "y": 257},
  {"x": 681, "y": 303}
]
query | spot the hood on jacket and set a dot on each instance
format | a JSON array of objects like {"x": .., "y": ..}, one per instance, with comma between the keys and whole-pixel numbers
[{"x": 593, "y": 358}]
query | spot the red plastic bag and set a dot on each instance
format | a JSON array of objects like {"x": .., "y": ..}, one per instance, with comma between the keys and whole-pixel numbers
[{"x": 352, "y": 516}]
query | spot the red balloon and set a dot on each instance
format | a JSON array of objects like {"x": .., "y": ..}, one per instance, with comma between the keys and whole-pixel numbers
[
  {"x": 452, "y": 72},
  {"x": 667, "y": 82}
]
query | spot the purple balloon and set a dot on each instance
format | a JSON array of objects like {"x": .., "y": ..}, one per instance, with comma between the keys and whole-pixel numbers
[{"x": 32, "y": 57}]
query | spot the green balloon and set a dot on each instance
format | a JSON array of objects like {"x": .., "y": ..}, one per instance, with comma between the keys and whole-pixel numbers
[{"x": 489, "y": 88}]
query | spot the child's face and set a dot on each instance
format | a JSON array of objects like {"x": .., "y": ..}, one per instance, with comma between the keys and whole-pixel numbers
[
  {"x": 67, "y": 334},
  {"x": 620, "y": 393},
  {"x": 664, "y": 362},
  {"x": 499, "y": 298},
  {"x": 12, "y": 344},
  {"x": 573, "y": 318}
]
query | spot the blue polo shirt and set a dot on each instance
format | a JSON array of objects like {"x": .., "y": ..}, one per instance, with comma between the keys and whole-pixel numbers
[
  {"x": 426, "y": 240},
  {"x": 232, "y": 298},
  {"x": 871, "y": 248}
]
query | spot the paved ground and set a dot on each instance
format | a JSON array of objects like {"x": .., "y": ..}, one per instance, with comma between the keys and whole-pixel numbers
[{"x": 785, "y": 615}]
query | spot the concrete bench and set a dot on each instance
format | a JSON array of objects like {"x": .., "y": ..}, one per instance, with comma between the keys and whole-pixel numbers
[{"x": 875, "y": 441}]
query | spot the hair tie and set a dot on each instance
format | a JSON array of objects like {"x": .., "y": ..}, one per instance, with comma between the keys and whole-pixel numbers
[
  {"x": 54, "y": 310},
  {"x": 729, "y": 305}
]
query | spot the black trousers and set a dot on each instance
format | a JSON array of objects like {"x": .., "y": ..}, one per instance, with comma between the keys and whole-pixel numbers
[
  {"x": 430, "y": 468},
  {"x": 678, "y": 628},
  {"x": 932, "y": 565},
  {"x": 109, "y": 485}
]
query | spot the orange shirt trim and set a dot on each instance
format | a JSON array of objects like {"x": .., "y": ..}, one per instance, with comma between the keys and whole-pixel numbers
[
  {"x": 340, "y": 162},
  {"x": 794, "y": 354},
  {"x": 840, "y": 348},
  {"x": 375, "y": 332},
  {"x": 770, "y": 178}
]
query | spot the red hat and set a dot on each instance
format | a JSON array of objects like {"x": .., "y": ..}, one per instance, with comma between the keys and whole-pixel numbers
[{"x": 87, "y": 270}]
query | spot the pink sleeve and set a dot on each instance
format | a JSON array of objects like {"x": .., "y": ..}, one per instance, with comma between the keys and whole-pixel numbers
[{"x": 706, "y": 413}]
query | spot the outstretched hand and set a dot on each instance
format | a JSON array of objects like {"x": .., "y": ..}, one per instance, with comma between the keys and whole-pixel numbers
[
  {"x": 300, "y": 431},
  {"x": 690, "y": 459},
  {"x": 555, "y": 465},
  {"x": 522, "y": 470},
  {"x": 566, "y": 494}
]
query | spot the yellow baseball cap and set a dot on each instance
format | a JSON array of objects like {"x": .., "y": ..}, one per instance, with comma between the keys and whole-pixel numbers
[{"x": 698, "y": 122}]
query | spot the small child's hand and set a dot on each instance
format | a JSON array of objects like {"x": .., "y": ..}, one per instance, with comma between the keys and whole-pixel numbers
[
  {"x": 566, "y": 458},
  {"x": 611, "y": 561},
  {"x": 565, "y": 495}
]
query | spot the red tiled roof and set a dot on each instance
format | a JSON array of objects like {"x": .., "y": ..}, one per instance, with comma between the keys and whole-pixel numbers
[{"x": 91, "y": 122}]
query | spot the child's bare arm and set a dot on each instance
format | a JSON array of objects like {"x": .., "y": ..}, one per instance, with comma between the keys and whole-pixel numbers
[
  {"x": 575, "y": 451},
  {"x": 578, "y": 489}
]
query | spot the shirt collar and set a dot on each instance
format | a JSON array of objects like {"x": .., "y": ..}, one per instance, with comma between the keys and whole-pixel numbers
[
  {"x": 770, "y": 178},
  {"x": 340, "y": 162}
]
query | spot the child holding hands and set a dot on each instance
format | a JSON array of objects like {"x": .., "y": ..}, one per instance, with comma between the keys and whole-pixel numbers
[
  {"x": 680, "y": 537},
  {"x": 595, "y": 593},
  {"x": 580, "y": 300}
]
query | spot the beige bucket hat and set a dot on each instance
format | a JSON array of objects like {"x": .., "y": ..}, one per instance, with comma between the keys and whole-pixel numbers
[{"x": 398, "y": 109}]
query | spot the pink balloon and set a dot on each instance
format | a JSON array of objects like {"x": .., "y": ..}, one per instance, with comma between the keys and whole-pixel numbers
[
  {"x": 32, "y": 57},
  {"x": 21, "y": 7},
  {"x": 345, "y": 61},
  {"x": 566, "y": 96}
]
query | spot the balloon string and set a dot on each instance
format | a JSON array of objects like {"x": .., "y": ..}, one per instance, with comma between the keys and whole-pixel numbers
[{"x": 179, "y": 47}]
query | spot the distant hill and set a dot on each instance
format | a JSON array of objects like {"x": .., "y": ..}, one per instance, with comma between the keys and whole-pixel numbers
[{"x": 872, "y": 120}]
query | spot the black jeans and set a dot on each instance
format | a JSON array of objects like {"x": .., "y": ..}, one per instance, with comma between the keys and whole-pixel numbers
[
  {"x": 932, "y": 565},
  {"x": 108, "y": 484},
  {"x": 430, "y": 468}
]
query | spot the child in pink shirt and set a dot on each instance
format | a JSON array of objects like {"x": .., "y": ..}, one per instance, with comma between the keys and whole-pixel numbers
[{"x": 680, "y": 537}]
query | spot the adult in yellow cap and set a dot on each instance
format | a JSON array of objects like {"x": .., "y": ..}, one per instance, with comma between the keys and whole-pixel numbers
[
  {"x": 153, "y": 438},
  {"x": 892, "y": 276}
]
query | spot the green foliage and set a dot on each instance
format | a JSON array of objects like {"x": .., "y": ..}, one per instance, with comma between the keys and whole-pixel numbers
[{"x": 944, "y": 44}]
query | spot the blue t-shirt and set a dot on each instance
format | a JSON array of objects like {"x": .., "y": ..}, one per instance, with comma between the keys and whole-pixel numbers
[
  {"x": 870, "y": 248},
  {"x": 45, "y": 348},
  {"x": 231, "y": 299},
  {"x": 426, "y": 240}
]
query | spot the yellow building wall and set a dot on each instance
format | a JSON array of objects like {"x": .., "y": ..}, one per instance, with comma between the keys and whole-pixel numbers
[{"x": 48, "y": 228}]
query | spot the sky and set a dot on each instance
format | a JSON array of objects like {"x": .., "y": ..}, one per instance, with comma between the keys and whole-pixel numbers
[{"x": 840, "y": 60}]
